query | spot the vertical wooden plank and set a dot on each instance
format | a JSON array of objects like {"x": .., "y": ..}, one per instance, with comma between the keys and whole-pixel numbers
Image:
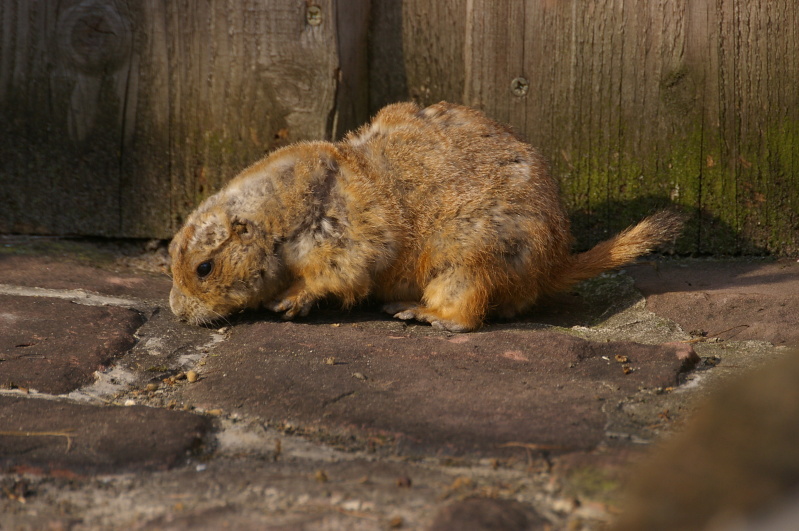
[
  {"x": 590, "y": 160},
  {"x": 594, "y": 151},
  {"x": 606, "y": 119},
  {"x": 750, "y": 59},
  {"x": 146, "y": 210},
  {"x": 718, "y": 204},
  {"x": 650, "y": 48},
  {"x": 581, "y": 87},
  {"x": 495, "y": 55},
  {"x": 673, "y": 148},
  {"x": 766, "y": 134},
  {"x": 388, "y": 82},
  {"x": 551, "y": 105},
  {"x": 662, "y": 116},
  {"x": 62, "y": 101},
  {"x": 352, "y": 92},
  {"x": 433, "y": 49},
  {"x": 23, "y": 209},
  {"x": 789, "y": 134}
]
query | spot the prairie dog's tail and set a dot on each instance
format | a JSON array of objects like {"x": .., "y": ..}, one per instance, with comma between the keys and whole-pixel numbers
[{"x": 622, "y": 249}]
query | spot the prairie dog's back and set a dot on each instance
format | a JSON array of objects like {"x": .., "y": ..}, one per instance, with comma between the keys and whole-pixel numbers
[{"x": 456, "y": 173}]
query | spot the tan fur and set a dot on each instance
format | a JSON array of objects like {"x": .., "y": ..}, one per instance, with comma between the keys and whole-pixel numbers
[{"x": 441, "y": 213}]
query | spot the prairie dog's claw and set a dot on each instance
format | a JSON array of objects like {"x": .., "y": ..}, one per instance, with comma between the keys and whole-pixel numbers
[
  {"x": 420, "y": 313},
  {"x": 292, "y": 306}
]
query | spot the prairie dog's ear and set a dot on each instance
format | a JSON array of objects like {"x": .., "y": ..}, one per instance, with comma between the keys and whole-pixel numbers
[
  {"x": 243, "y": 228},
  {"x": 212, "y": 230}
]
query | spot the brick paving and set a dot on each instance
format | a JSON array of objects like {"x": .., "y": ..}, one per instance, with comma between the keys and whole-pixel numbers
[{"x": 352, "y": 420}]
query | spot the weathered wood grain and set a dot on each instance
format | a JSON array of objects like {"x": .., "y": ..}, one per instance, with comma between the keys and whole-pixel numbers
[
  {"x": 352, "y": 93},
  {"x": 433, "y": 48},
  {"x": 638, "y": 104},
  {"x": 122, "y": 115},
  {"x": 119, "y": 116},
  {"x": 387, "y": 74},
  {"x": 62, "y": 87}
]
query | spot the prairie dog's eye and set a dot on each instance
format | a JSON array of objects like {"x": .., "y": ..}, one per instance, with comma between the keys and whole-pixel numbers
[{"x": 205, "y": 268}]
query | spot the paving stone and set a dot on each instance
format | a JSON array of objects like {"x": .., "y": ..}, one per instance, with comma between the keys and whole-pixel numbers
[
  {"x": 63, "y": 273},
  {"x": 509, "y": 390},
  {"x": 496, "y": 392},
  {"x": 55, "y": 346},
  {"x": 57, "y": 437},
  {"x": 736, "y": 299}
]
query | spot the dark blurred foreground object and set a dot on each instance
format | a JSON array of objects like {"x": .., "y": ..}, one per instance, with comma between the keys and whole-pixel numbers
[
  {"x": 485, "y": 514},
  {"x": 736, "y": 466}
]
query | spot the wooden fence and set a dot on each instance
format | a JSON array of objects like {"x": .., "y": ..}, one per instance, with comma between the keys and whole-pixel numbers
[{"x": 120, "y": 115}]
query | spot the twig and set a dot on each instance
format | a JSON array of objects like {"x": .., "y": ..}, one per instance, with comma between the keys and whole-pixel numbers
[
  {"x": 717, "y": 334},
  {"x": 531, "y": 446},
  {"x": 67, "y": 435}
]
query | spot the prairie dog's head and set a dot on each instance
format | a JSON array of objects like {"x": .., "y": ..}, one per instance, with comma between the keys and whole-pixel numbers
[{"x": 220, "y": 264}]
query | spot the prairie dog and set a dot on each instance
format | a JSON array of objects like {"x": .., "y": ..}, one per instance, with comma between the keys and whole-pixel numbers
[{"x": 440, "y": 213}]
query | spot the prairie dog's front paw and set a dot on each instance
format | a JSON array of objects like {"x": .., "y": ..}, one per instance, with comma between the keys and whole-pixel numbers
[{"x": 292, "y": 305}]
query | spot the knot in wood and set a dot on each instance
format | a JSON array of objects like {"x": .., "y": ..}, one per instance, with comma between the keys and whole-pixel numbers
[{"x": 94, "y": 37}]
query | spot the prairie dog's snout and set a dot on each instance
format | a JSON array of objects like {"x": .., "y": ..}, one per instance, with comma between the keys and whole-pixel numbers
[{"x": 440, "y": 212}]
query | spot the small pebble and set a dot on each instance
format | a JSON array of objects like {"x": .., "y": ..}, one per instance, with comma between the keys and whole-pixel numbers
[
  {"x": 130, "y": 402},
  {"x": 320, "y": 476},
  {"x": 191, "y": 376},
  {"x": 330, "y": 361},
  {"x": 152, "y": 387},
  {"x": 359, "y": 375}
]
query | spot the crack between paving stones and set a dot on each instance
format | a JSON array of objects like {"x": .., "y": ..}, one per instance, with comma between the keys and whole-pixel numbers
[
  {"x": 337, "y": 398},
  {"x": 77, "y": 296}
]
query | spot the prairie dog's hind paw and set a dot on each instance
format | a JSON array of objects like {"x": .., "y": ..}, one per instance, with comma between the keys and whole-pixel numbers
[
  {"x": 394, "y": 308},
  {"x": 423, "y": 314}
]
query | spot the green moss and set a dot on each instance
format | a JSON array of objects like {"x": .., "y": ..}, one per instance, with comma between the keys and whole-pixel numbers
[
  {"x": 596, "y": 484},
  {"x": 744, "y": 198}
]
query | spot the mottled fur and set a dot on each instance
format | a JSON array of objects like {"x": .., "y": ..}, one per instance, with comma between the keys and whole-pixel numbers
[{"x": 441, "y": 213}]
